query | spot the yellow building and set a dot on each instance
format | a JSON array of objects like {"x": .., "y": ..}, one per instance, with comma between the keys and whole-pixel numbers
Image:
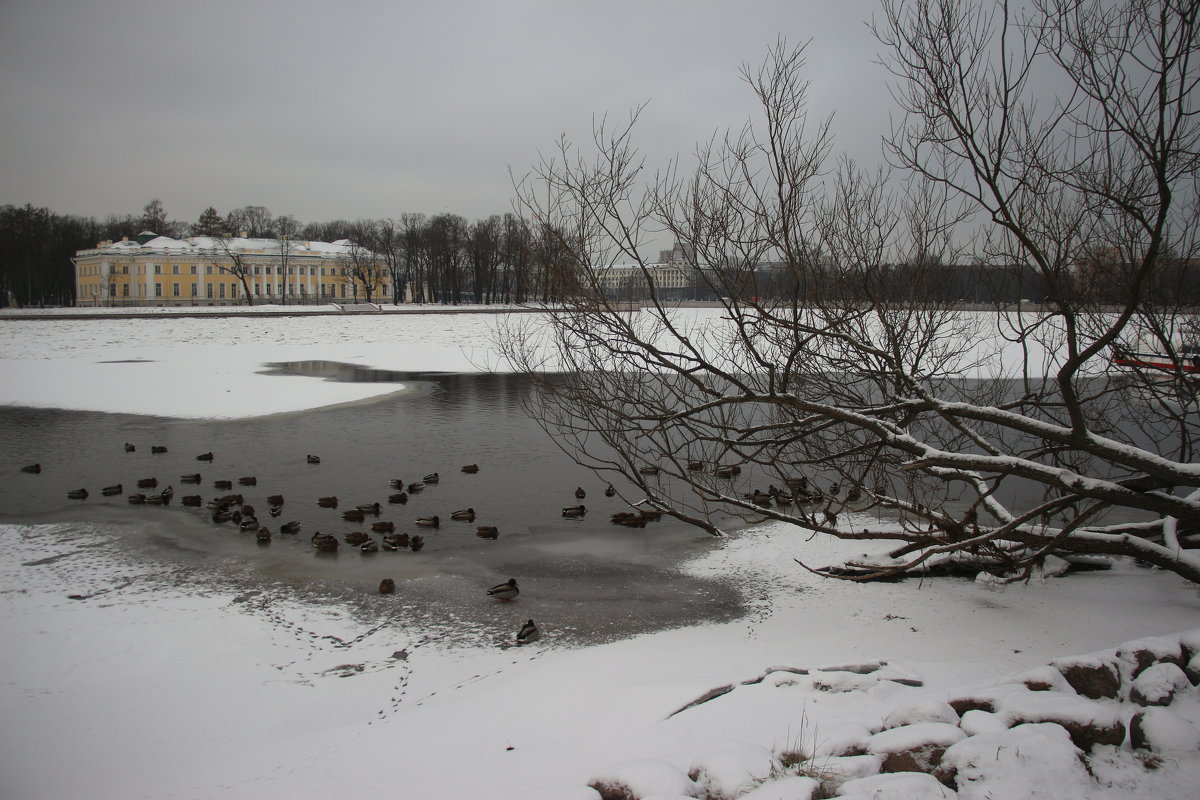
[{"x": 154, "y": 270}]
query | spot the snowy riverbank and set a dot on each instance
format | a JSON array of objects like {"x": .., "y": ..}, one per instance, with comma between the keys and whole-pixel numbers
[{"x": 123, "y": 676}]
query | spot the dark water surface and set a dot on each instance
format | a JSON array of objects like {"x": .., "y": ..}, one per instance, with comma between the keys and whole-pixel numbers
[{"x": 587, "y": 578}]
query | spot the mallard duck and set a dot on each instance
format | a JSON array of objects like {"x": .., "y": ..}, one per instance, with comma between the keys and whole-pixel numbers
[
  {"x": 580, "y": 493},
  {"x": 110, "y": 491},
  {"x": 78, "y": 494},
  {"x": 629, "y": 519},
  {"x": 192, "y": 500},
  {"x": 219, "y": 515},
  {"x": 248, "y": 510},
  {"x": 147, "y": 483},
  {"x": 325, "y": 542},
  {"x": 471, "y": 469},
  {"x": 275, "y": 511},
  {"x": 231, "y": 499},
  {"x": 32, "y": 469},
  {"x": 263, "y": 535},
  {"x": 528, "y": 633},
  {"x": 192, "y": 478},
  {"x": 327, "y": 502},
  {"x": 383, "y": 527},
  {"x": 354, "y": 515},
  {"x": 505, "y": 591},
  {"x": 248, "y": 524},
  {"x": 158, "y": 448},
  {"x": 399, "y": 497},
  {"x": 649, "y": 469},
  {"x": 129, "y": 448},
  {"x": 136, "y": 499},
  {"x": 275, "y": 500},
  {"x": 356, "y": 537},
  {"x": 311, "y": 459},
  {"x": 431, "y": 478},
  {"x": 290, "y": 527},
  {"x": 396, "y": 483},
  {"x": 574, "y": 511},
  {"x": 205, "y": 456},
  {"x": 248, "y": 480},
  {"x": 695, "y": 466},
  {"x": 463, "y": 515},
  {"x": 487, "y": 532},
  {"x": 369, "y": 508},
  {"x": 727, "y": 472},
  {"x": 415, "y": 487},
  {"x": 395, "y": 541},
  {"x": 369, "y": 546},
  {"x": 387, "y": 586},
  {"x": 429, "y": 522},
  {"x": 610, "y": 491},
  {"x": 224, "y": 486},
  {"x": 417, "y": 542},
  {"x": 854, "y": 495}
]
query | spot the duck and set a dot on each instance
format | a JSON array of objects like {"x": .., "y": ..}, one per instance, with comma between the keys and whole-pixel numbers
[
  {"x": 110, "y": 491},
  {"x": 248, "y": 524},
  {"x": 580, "y": 493},
  {"x": 574, "y": 511},
  {"x": 290, "y": 527},
  {"x": 160, "y": 499},
  {"x": 356, "y": 537},
  {"x": 387, "y": 586},
  {"x": 190, "y": 478},
  {"x": 463, "y": 515},
  {"x": 369, "y": 546},
  {"x": 78, "y": 494},
  {"x": 470, "y": 469},
  {"x": 147, "y": 483},
  {"x": 32, "y": 469},
  {"x": 395, "y": 541},
  {"x": 205, "y": 456},
  {"x": 629, "y": 519},
  {"x": 528, "y": 633},
  {"x": 854, "y": 495},
  {"x": 219, "y": 515},
  {"x": 487, "y": 532},
  {"x": 354, "y": 515},
  {"x": 415, "y": 487},
  {"x": 396, "y": 483},
  {"x": 129, "y": 448},
  {"x": 136, "y": 499},
  {"x": 311, "y": 459},
  {"x": 431, "y": 478},
  {"x": 398, "y": 497},
  {"x": 610, "y": 491},
  {"x": 429, "y": 522},
  {"x": 650, "y": 469},
  {"x": 230, "y": 499},
  {"x": 158, "y": 448},
  {"x": 325, "y": 542},
  {"x": 263, "y": 535},
  {"x": 327, "y": 502},
  {"x": 695, "y": 466},
  {"x": 417, "y": 542},
  {"x": 369, "y": 508},
  {"x": 275, "y": 511},
  {"x": 275, "y": 500},
  {"x": 248, "y": 480},
  {"x": 383, "y": 527},
  {"x": 248, "y": 510},
  {"x": 505, "y": 591},
  {"x": 224, "y": 486},
  {"x": 192, "y": 500},
  {"x": 727, "y": 472}
]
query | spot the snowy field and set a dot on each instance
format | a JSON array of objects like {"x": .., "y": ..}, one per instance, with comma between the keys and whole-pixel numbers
[{"x": 151, "y": 684}]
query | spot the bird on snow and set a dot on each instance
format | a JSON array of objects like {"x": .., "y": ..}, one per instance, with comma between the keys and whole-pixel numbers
[{"x": 528, "y": 633}]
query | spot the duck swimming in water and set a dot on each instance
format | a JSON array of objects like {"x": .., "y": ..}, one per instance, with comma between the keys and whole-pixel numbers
[{"x": 464, "y": 515}]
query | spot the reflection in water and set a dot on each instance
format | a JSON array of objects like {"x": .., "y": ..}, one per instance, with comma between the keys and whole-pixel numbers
[{"x": 587, "y": 578}]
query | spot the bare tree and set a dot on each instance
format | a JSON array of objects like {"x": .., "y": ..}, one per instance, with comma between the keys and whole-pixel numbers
[
  {"x": 254, "y": 222},
  {"x": 223, "y": 253},
  {"x": 995, "y": 439},
  {"x": 364, "y": 268}
]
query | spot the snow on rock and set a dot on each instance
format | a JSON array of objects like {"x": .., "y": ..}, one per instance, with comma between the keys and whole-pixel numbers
[
  {"x": 1095, "y": 676},
  {"x": 841, "y": 738},
  {"x": 1029, "y": 761},
  {"x": 643, "y": 778},
  {"x": 1041, "y": 679},
  {"x": 1163, "y": 731},
  {"x": 1192, "y": 670},
  {"x": 1158, "y": 684},
  {"x": 731, "y": 769},
  {"x": 1190, "y": 641},
  {"x": 977, "y": 721},
  {"x": 1088, "y": 722},
  {"x": 834, "y": 772},
  {"x": 920, "y": 711},
  {"x": 897, "y": 786},
  {"x": 561, "y": 791},
  {"x": 1141, "y": 653},
  {"x": 916, "y": 747},
  {"x": 793, "y": 787}
]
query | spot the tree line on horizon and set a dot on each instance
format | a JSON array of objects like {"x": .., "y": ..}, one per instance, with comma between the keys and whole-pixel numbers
[{"x": 441, "y": 258}]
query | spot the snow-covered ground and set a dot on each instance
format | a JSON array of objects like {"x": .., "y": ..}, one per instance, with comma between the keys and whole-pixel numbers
[{"x": 153, "y": 684}]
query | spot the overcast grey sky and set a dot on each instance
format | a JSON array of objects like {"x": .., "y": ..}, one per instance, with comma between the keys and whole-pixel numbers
[{"x": 370, "y": 109}]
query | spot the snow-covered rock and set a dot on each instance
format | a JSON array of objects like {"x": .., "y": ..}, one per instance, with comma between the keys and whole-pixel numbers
[
  {"x": 897, "y": 786},
  {"x": 920, "y": 711},
  {"x": 1142, "y": 653},
  {"x": 914, "y": 748},
  {"x": 1088, "y": 722},
  {"x": 1094, "y": 676},
  {"x": 727, "y": 771},
  {"x": 1042, "y": 679},
  {"x": 977, "y": 721},
  {"x": 1158, "y": 684},
  {"x": 1163, "y": 731},
  {"x": 1028, "y": 762},
  {"x": 792, "y": 787},
  {"x": 644, "y": 778}
]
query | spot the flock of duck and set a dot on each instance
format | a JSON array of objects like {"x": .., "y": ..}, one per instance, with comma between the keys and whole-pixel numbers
[{"x": 233, "y": 508}]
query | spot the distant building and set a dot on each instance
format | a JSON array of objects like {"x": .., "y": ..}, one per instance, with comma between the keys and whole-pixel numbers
[{"x": 154, "y": 270}]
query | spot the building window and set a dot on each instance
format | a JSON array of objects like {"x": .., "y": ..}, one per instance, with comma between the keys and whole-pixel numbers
[
  {"x": 268, "y": 290},
  {"x": 193, "y": 269},
  {"x": 258, "y": 289},
  {"x": 125, "y": 270},
  {"x": 255, "y": 269},
  {"x": 112, "y": 290},
  {"x": 158, "y": 290},
  {"x": 208, "y": 271},
  {"x": 174, "y": 269},
  {"x": 210, "y": 291},
  {"x": 175, "y": 290},
  {"x": 157, "y": 269},
  {"x": 125, "y": 290},
  {"x": 222, "y": 290},
  {"x": 195, "y": 290}
]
